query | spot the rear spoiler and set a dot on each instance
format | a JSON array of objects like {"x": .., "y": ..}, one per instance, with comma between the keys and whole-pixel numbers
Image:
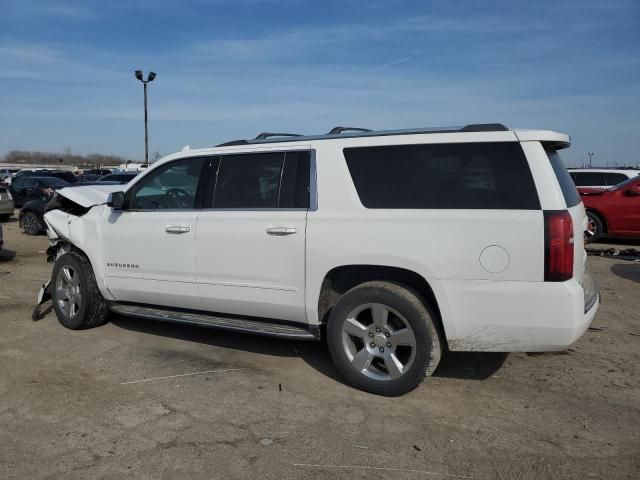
[{"x": 549, "y": 139}]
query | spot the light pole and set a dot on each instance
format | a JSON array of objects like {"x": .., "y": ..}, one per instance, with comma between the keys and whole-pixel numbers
[
  {"x": 588, "y": 153},
  {"x": 150, "y": 78}
]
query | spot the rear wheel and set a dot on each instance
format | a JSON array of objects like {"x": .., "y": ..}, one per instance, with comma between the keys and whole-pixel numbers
[
  {"x": 595, "y": 227},
  {"x": 382, "y": 338},
  {"x": 76, "y": 299},
  {"x": 30, "y": 224}
]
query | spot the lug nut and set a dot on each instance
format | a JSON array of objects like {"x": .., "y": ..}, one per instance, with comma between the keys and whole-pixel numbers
[
  {"x": 387, "y": 334},
  {"x": 372, "y": 345},
  {"x": 370, "y": 334},
  {"x": 378, "y": 330},
  {"x": 389, "y": 344},
  {"x": 381, "y": 349}
]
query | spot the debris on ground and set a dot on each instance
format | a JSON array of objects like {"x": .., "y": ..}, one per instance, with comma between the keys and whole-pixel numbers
[{"x": 622, "y": 254}]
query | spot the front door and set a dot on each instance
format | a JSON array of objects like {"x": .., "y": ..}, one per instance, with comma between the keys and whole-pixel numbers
[
  {"x": 148, "y": 248},
  {"x": 250, "y": 247}
]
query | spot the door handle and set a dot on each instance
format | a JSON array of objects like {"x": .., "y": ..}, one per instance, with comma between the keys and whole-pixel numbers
[
  {"x": 177, "y": 229},
  {"x": 281, "y": 231}
]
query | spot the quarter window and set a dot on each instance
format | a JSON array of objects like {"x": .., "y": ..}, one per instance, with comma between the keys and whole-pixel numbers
[
  {"x": 451, "y": 176},
  {"x": 172, "y": 186}
]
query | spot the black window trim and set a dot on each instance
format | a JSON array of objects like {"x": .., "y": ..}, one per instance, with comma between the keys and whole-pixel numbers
[{"x": 313, "y": 191}]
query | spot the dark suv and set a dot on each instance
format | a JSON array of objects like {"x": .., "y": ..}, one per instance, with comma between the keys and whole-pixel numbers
[{"x": 25, "y": 188}]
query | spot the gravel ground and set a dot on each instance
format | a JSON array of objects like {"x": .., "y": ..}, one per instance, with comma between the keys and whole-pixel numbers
[{"x": 126, "y": 400}]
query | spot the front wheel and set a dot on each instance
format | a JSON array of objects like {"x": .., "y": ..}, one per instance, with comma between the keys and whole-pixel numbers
[
  {"x": 31, "y": 224},
  {"x": 77, "y": 300},
  {"x": 383, "y": 339}
]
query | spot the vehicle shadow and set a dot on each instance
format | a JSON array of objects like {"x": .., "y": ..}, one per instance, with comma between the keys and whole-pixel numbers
[
  {"x": 458, "y": 365},
  {"x": 607, "y": 242},
  {"x": 628, "y": 271},
  {"x": 7, "y": 255}
]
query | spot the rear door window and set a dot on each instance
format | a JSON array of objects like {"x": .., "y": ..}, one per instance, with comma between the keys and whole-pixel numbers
[
  {"x": 263, "y": 180},
  {"x": 443, "y": 176},
  {"x": 590, "y": 179}
]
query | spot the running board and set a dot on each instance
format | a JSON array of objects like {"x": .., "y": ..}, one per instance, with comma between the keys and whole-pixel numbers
[{"x": 235, "y": 324}]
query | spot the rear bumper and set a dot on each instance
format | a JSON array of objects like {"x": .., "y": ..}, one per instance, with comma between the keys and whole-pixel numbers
[
  {"x": 6, "y": 207},
  {"x": 517, "y": 316}
]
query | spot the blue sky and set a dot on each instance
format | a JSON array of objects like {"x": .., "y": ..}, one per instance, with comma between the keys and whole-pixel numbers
[{"x": 232, "y": 69}]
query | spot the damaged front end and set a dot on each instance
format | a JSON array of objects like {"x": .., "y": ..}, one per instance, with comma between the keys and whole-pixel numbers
[{"x": 66, "y": 226}]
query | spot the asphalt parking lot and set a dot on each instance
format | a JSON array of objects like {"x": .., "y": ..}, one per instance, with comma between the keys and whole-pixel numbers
[{"x": 129, "y": 400}]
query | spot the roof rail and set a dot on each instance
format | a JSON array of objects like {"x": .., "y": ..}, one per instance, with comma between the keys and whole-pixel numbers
[
  {"x": 484, "y": 127},
  {"x": 337, "y": 130},
  {"x": 265, "y": 135},
  {"x": 232, "y": 143},
  {"x": 335, "y": 133}
]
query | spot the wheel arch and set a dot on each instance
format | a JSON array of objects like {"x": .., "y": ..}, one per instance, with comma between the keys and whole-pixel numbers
[{"x": 341, "y": 279}]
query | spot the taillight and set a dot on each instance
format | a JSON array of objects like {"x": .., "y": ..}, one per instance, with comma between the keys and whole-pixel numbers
[{"x": 558, "y": 246}]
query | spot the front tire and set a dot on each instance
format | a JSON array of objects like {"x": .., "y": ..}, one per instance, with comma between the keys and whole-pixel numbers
[
  {"x": 77, "y": 300},
  {"x": 595, "y": 227},
  {"x": 383, "y": 339},
  {"x": 31, "y": 224}
]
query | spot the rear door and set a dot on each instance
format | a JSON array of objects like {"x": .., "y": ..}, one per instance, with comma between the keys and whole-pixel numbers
[{"x": 250, "y": 245}]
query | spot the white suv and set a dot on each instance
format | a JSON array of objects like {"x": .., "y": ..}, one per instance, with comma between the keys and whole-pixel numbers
[{"x": 393, "y": 245}]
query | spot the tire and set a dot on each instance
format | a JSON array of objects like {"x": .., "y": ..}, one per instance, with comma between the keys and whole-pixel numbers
[
  {"x": 370, "y": 359},
  {"x": 73, "y": 275},
  {"x": 595, "y": 227},
  {"x": 5, "y": 217},
  {"x": 30, "y": 224}
]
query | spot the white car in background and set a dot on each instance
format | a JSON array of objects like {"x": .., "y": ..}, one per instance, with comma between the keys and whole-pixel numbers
[
  {"x": 393, "y": 245},
  {"x": 600, "y": 177}
]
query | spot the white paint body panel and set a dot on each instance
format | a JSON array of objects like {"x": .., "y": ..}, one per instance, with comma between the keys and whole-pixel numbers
[{"x": 228, "y": 263}]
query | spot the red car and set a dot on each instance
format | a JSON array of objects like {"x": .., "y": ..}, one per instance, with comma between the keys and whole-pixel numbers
[{"x": 613, "y": 211}]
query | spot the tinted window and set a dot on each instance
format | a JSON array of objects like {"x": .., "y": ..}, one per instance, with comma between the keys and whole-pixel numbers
[
  {"x": 571, "y": 196},
  {"x": 463, "y": 175},
  {"x": 52, "y": 182},
  {"x": 589, "y": 179},
  {"x": 614, "y": 178},
  {"x": 248, "y": 181},
  {"x": 171, "y": 186},
  {"x": 294, "y": 189}
]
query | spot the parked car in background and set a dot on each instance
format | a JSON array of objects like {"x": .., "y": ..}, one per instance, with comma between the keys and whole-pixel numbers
[
  {"x": 119, "y": 177},
  {"x": 600, "y": 177},
  {"x": 27, "y": 188},
  {"x": 1, "y": 238},
  {"x": 31, "y": 216},
  {"x": 62, "y": 174},
  {"x": 6, "y": 204},
  {"x": 613, "y": 211},
  {"x": 93, "y": 175}
]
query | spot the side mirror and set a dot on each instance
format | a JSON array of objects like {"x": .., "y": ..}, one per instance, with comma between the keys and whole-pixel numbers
[
  {"x": 633, "y": 191},
  {"x": 116, "y": 200}
]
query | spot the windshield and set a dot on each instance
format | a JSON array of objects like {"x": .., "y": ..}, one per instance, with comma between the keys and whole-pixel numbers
[{"x": 624, "y": 184}]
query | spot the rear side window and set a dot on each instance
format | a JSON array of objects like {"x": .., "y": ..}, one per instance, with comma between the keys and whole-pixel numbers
[
  {"x": 263, "y": 180},
  {"x": 449, "y": 176},
  {"x": 589, "y": 179},
  {"x": 571, "y": 195}
]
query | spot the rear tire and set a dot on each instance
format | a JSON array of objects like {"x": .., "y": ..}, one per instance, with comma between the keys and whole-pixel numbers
[
  {"x": 595, "y": 227},
  {"x": 383, "y": 339},
  {"x": 77, "y": 300}
]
